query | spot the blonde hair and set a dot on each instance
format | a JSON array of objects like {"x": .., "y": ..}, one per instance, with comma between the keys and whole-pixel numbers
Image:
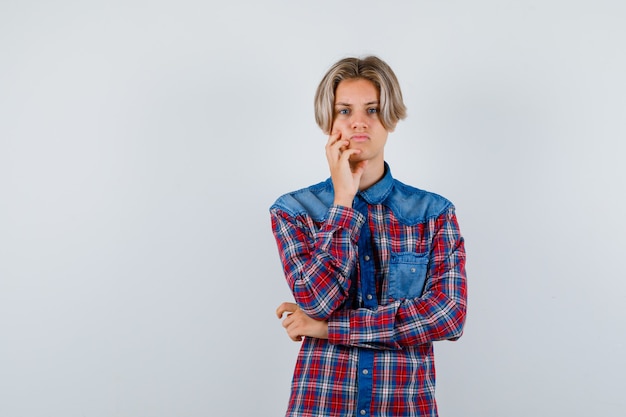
[{"x": 371, "y": 68}]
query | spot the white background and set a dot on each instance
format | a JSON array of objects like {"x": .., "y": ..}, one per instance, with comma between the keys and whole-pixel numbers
[{"x": 142, "y": 143}]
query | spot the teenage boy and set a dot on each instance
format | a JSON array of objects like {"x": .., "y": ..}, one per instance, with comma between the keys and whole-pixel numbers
[{"x": 376, "y": 267}]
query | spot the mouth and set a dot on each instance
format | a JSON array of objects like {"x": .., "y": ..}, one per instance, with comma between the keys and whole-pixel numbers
[{"x": 359, "y": 138}]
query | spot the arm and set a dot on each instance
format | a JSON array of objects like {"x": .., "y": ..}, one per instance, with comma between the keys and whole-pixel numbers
[
  {"x": 438, "y": 314},
  {"x": 318, "y": 263}
]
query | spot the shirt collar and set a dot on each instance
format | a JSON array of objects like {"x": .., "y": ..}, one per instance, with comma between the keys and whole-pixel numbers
[{"x": 377, "y": 193}]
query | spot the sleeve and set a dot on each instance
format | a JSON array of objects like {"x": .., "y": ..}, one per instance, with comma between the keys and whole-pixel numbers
[
  {"x": 318, "y": 262},
  {"x": 439, "y": 314}
]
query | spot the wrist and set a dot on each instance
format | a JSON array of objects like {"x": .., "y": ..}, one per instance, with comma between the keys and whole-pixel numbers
[{"x": 343, "y": 201}]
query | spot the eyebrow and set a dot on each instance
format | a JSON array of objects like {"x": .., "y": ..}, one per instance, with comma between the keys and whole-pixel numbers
[{"x": 369, "y": 103}]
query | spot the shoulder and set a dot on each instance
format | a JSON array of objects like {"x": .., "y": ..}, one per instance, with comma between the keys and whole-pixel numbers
[
  {"x": 313, "y": 201},
  {"x": 412, "y": 205}
]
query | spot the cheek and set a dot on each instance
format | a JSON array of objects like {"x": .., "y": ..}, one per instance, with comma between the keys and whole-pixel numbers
[{"x": 338, "y": 125}]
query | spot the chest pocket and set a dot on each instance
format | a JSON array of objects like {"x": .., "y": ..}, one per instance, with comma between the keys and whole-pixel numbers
[{"x": 407, "y": 275}]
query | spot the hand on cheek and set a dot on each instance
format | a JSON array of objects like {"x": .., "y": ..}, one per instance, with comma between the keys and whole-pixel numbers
[{"x": 346, "y": 178}]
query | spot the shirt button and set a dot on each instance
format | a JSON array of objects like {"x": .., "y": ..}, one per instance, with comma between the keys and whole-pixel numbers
[
  {"x": 412, "y": 269},
  {"x": 369, "y": 296},
  {"x": 365, "y": 372},
  {"x": 363, "y": 412},
  {"x": 366, "y": 257}
]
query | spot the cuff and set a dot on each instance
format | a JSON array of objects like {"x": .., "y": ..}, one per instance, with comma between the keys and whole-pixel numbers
[
  {"x": 345, "y": 218},
  {"x": 339, "y": 328}
]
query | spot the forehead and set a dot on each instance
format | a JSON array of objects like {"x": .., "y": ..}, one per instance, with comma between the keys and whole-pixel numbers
[{"x": 356, "y": 90}]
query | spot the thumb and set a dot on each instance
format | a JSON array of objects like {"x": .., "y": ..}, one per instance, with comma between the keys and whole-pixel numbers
[{"x": 360, "y": 168}]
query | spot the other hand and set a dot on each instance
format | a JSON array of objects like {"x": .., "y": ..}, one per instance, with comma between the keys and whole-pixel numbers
[{"x": 299, "y": 325}]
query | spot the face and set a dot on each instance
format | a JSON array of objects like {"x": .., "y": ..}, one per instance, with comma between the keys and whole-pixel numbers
[{"x": 357, "y": 103}]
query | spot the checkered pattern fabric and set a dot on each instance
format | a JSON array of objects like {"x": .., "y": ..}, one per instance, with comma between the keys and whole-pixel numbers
[{"x": 388, "y": 274}]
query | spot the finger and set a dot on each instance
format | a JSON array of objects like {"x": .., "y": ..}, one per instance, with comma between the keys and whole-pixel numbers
[
  {"x": 347, "y": 153},
  {"x": 289, "y": 321},
  {"x": 343, "y": 144},
  {"x": 280, "y": 310},
  {"x": 286, "y": 307},
  {"x": 296, "y": 338},
  {"x": 294, "y": 333},
  {"x": 334, "y": 137},
  {"x": 335, "y": 150},
  {"x": 360, "y": 168}
]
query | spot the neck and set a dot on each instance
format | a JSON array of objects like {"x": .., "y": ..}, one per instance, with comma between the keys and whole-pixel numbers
[{"x": 372, "y": 174}]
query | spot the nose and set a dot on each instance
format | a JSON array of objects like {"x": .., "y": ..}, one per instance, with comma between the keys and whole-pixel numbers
[{"x": 359, "y": 120}]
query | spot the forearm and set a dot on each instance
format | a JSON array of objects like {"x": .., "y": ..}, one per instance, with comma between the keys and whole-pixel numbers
[
  {"x": 399, "y": 324},
  {"x": 318, "y": 263}
]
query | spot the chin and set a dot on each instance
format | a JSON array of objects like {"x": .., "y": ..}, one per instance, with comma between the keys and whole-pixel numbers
[{"x": 357, "y": 158}]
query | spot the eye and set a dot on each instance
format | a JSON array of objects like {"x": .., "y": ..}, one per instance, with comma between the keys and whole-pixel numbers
[
  {"x": 372, "y": 110},
  {"x": 343, "y": 111}
]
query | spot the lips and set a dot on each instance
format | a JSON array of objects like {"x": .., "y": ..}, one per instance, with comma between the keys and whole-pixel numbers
[{"x": 359, "y": 138}]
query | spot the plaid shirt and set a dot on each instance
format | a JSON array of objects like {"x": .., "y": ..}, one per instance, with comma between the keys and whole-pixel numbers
[{"x": 389, "y": 276}]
